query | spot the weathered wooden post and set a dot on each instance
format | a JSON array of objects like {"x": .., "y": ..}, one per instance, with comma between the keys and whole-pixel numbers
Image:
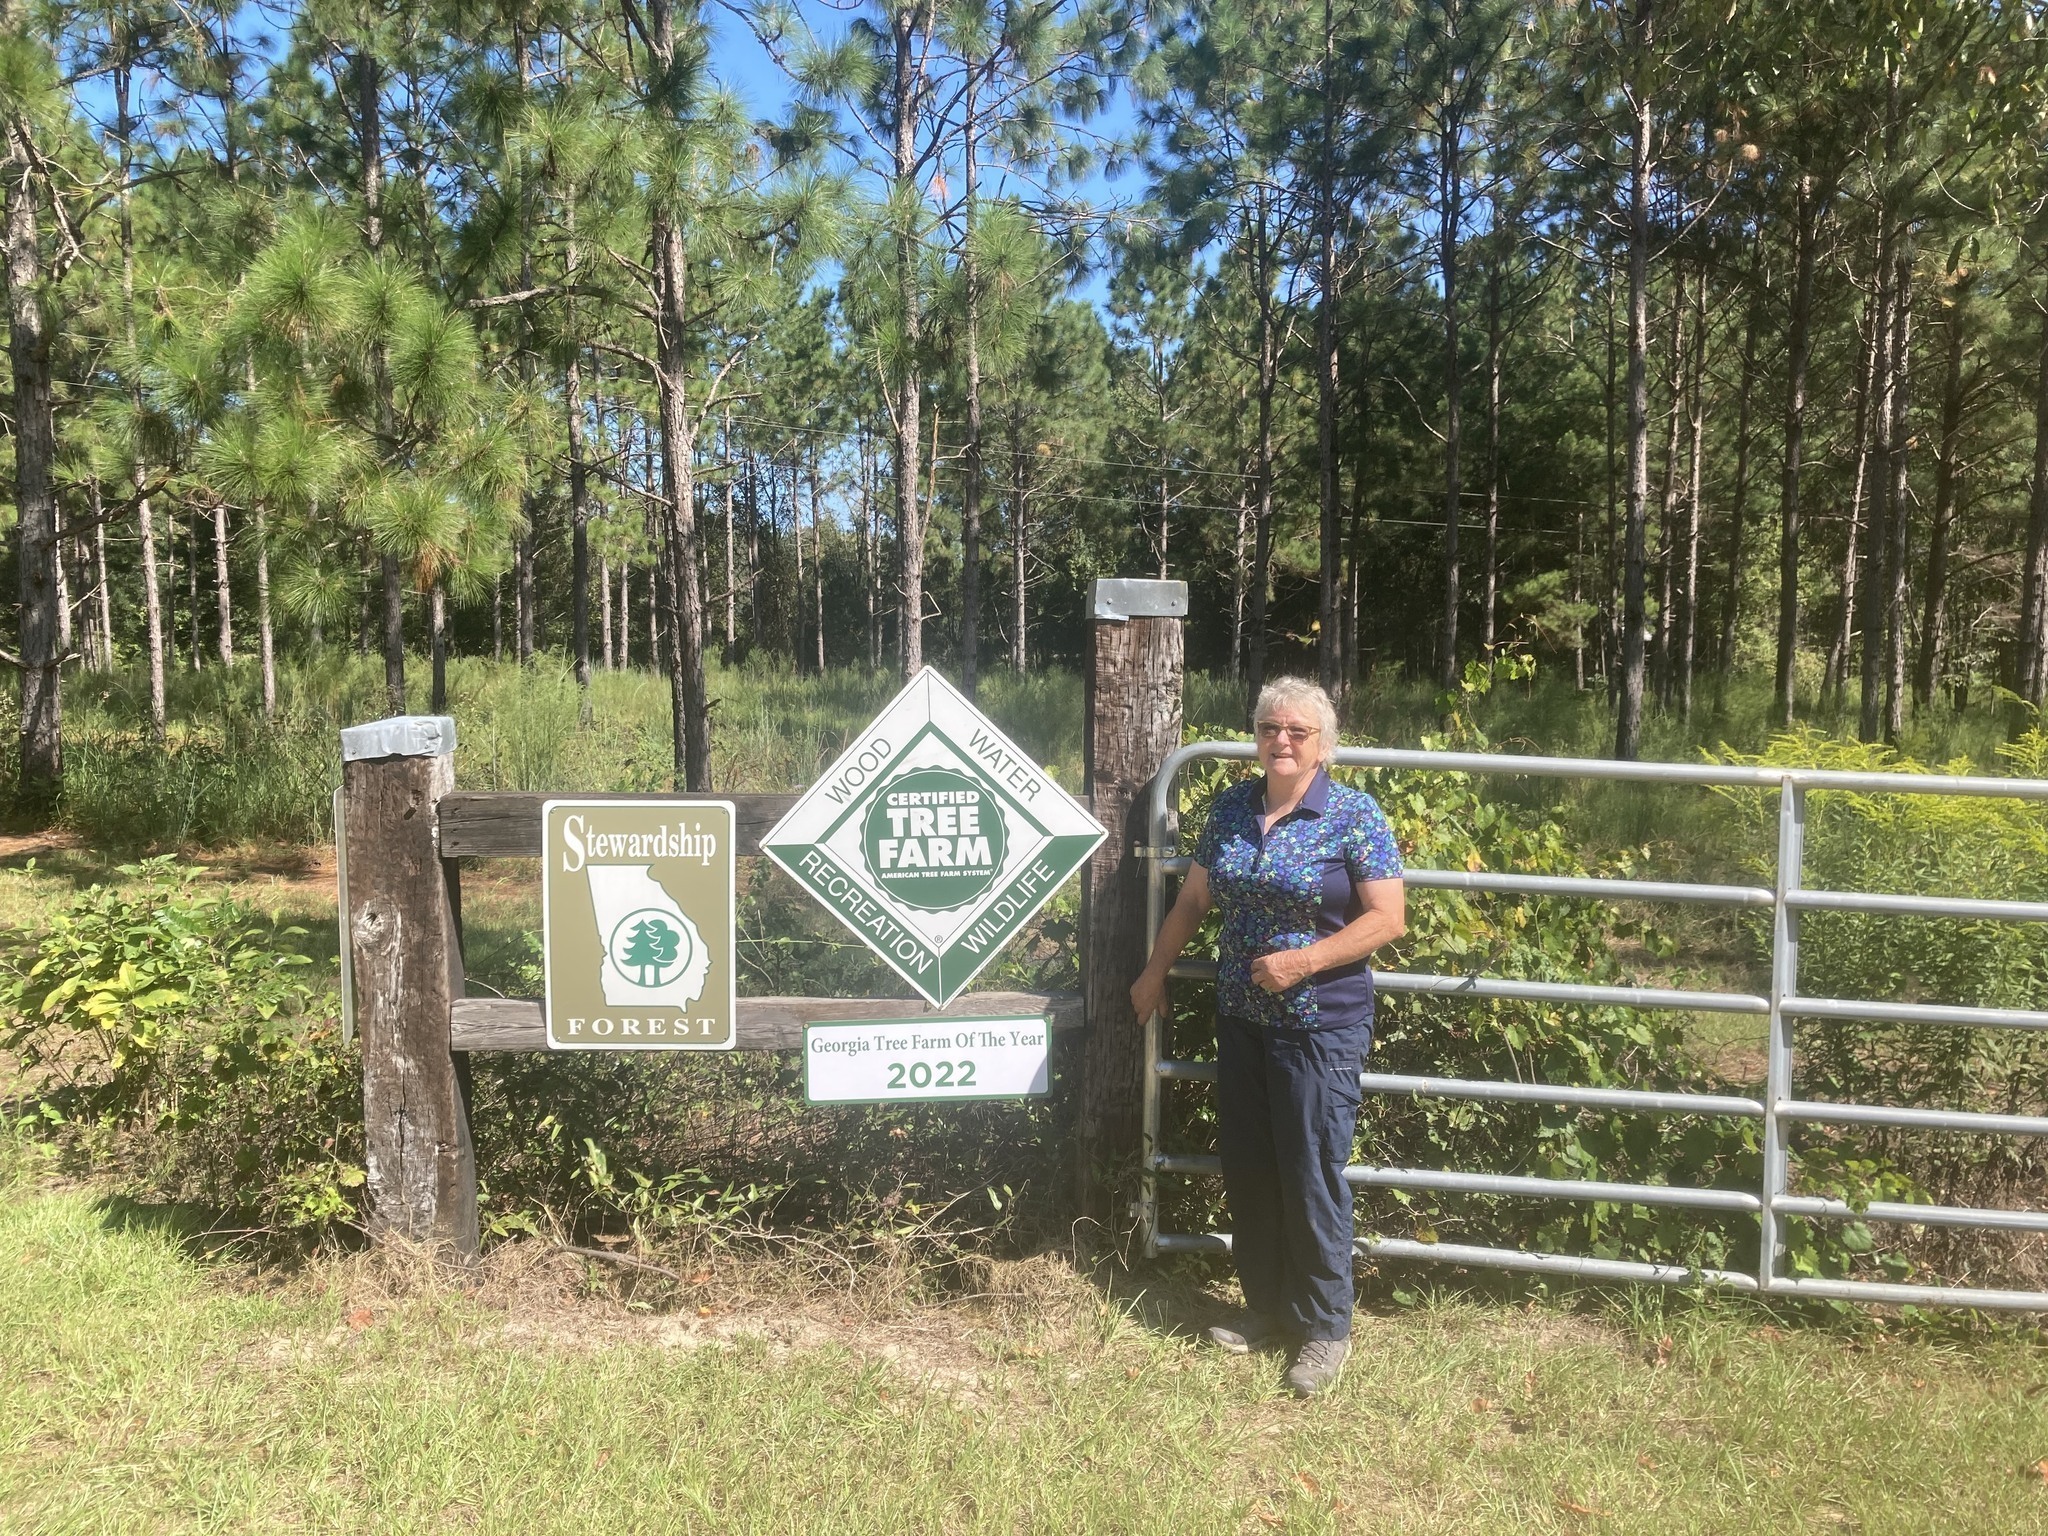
[
  {"x": 403, "y": 929},
  {"x": 1136, "y": 662}
]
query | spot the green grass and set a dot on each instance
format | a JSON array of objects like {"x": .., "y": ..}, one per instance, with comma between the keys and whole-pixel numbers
[{"x": 141, "y": 1391}]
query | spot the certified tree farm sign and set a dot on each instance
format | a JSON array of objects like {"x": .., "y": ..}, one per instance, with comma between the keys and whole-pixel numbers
[
  {"x": 934, "y": 838},
  {"x": 637, "y": 918}
]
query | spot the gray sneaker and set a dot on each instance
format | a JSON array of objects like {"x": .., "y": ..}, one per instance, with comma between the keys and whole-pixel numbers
[
  {"x": 1317, "y": 1364},
  {"x": 1254, "y": 1331}
]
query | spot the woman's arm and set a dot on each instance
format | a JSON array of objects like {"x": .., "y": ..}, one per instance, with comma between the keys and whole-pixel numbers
[
  {"x": 1384, "y": 920},
  {"x": 1148, "y": 992}
]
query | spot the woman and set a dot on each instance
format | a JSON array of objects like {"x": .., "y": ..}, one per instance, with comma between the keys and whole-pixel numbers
[{"x": 1309, "y": 881}]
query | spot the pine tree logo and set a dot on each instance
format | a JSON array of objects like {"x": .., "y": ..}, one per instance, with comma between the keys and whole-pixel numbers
[{"x": 648, "y": 947}]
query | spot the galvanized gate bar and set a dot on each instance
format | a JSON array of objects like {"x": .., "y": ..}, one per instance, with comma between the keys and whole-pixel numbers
[
  {"x": 1570, "y": 992},
  {"x": 1550, "y": 1263},
  {"x": 1533, "y": 991},
  {"x": 1389, "y": 1083},
  {"x": 1778, "y": 1109},
  {"x": 1642, "y": 1100},
  {"x": 1469, "y": 1254},
  {"x": 1890, "y": 1294},
  {"x": 1913, "y": 1119},
  {"x": 1207, "y": 1164},
  {"x": 1913, "y": 1215},
  {"x": 1592, "y": 888},
  {"x": 1920, "y": 906},
  {"x": 1914, "y": 1013}
]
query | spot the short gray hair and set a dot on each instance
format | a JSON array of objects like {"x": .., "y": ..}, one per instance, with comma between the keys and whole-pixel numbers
[{"x": 1300, "y": 693}]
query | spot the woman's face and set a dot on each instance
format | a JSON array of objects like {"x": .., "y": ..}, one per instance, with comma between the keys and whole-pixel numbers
[{"x": 1290, "y": 742}]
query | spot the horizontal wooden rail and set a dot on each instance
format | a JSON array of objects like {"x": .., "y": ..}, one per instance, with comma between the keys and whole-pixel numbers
[
  {"x": 505, "y": 823},
  {"x": 765, "y": 1023}
]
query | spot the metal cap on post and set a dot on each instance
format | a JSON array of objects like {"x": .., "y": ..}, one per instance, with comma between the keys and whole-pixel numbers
[
  {"x": 1117, "y": 598},
  {"x": 402, "y": 929},
  {"x": 399, "y": 736}
]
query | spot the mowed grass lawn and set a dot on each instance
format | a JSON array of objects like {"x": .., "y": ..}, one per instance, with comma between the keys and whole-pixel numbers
[{"x": 143, "y": 1391}]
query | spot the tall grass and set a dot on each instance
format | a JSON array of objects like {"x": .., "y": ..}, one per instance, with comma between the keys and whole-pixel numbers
[{"x": 225, "y": 775}]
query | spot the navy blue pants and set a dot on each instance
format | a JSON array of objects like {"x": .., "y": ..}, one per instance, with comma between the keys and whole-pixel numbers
[{"x": 1287, "y": 1112}]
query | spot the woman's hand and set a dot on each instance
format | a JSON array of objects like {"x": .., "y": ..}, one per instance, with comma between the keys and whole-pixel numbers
[
  {"x": 1148, "y": 995},
  {"x": 1282, "y": 969}
]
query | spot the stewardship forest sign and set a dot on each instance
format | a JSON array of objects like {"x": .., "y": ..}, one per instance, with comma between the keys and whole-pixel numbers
[
  {"x": 637, "y": 916},
  {"x": 934, "y": 838}
]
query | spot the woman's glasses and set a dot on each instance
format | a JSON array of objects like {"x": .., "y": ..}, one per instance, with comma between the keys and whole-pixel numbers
[{"x": 1273, "y": 730}]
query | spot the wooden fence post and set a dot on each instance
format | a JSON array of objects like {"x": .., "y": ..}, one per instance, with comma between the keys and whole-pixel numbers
[
  {"x": 1136, "y": 662},
  {"x": 404, "y": 934}
]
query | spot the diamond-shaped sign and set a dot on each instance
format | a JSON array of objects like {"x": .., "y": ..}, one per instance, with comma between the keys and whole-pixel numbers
[{"x": 934, "y": 838}]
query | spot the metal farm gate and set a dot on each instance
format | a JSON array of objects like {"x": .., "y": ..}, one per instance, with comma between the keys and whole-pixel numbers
[{"x": 1779, "y": 1109}]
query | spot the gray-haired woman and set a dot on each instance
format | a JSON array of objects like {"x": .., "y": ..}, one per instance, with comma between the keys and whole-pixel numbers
[{"x": 1309, "y": 882}]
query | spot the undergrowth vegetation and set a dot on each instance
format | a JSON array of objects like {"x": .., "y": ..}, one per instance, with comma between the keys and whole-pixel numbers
[{"x": 226, "y": 775}]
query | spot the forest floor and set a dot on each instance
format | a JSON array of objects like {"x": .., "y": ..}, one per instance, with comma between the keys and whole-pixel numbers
[{"x": 143, "y": 1389}]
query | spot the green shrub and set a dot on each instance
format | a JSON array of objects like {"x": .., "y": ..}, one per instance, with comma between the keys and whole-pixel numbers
[
  {"x": 163, "y": 1015},
  {"x": 1929, "y": 845}
]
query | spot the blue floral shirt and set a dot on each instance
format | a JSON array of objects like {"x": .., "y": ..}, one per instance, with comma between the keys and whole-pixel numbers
[{"x": 1284, "y": 887}]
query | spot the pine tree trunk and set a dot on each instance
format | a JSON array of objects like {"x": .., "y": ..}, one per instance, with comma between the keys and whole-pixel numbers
[
  {"x": 604, "y": 616},
  {"x": 579, "y": 478},
  {"x": 674, "y": 359},
  {"x": 818, "y": 560},
  {"x": 970, "y": 508},
  {"x": 62, "y": 565},
  {"x": 156, "y": 632},
  {"x": 2033, "y": 652},
  {"x": 1667, "y": 500},
  {"x": 1872, "y": 600},
  {"x": 905, "y": 105},
  {"x": 579, "y": 525},
  {"x": 35, "y": 451},
  {"x": 438, "y": 619},
  {"x": 1450, "y": 185},
  {"x": 266, "y": 637},
  {"x": 1354, "y": 544},
  {"x": 370, "y": 151},
  {"x": 1629, "y": 716},
  {"x": 1898, "y": 549},
  {"x": 1610, "y": 575},
  {"x": 1798, "y": 351},
  {"x": 1019, "y": 549},
  {"x": 1689, "y": 590},
  {"x": 1738, "y": 507},
  {"x": 103, "y": 592},
  {"x": 394, "y": 634},
  {"x": 1239, "y": 587},
  {"x": 1329, "y": 658},
  {"x": 1262, "y": 521},
  {"x": 1489, "y": 582},
  {"x": 754, "y": 582},
  {"x": 1877, "y": 326},
  {"x": 192, "y": 590},
  {"x": 220, "y": 584},
  {"x": 731, "y": 592},
  {"x": 1934, "y": 611},
  {"x": 688, "y": 699}
]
